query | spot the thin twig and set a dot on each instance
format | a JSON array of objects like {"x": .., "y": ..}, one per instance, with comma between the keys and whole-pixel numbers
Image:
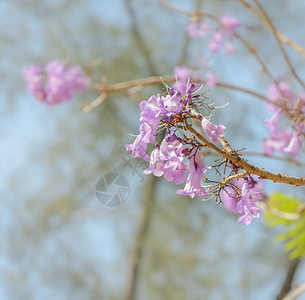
[
  {"x": 116, "y": 87},
  {"x": 284, "y": 159},
  {"x": 99, "y": 100},
  {"x": 137, "y": 34},
  {"x": 295, "y": 293},
  {"x": 250, "y": 48},
  {"x": 293, "y": 266},
  {"x": 253, "y": 51},
  {"x": 283, "y": 38},
  {"x": 233, "y": 177},
  {"x": 274, "y": 31}
]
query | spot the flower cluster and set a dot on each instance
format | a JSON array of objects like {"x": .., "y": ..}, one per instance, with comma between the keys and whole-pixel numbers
[
  {"x": 57, "y": 83},
  {"x": 282, "y": 103},
  {"x": 241, "y": 198},
  {"x": 221, "y": 35},
  {"x": 176, "y": 158}
]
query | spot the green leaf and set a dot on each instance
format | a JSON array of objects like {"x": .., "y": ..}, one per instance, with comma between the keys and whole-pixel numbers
[{"x": 289, "y": 212}]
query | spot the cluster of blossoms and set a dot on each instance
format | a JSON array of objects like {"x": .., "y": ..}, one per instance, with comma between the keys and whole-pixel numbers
[
  {"x": 56, "y": 83},
  {"x": 241, "y": 198},
  {"x": 221, "y": 35},
  {"x": 282, "y": 103},
  {"x": 176, "y": 158}
]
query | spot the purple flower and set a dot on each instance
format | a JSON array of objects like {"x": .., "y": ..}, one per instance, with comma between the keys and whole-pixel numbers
[
  {"x": 156, "y": 163},
  {"x": 63, "y": 81},
  {"x": 275, "y": 119},
  {"x": 171, "y": 105},
  {"x": 216, "y": 41},
  {"x": 183, "y": 74},
  {"x": 76, "y": 79},
  {"x": 277, "y": 94},
  {"x": 230, "y": 196},
  {"x": 169, "y": 160},
  {"x": 199, "y": 29},
  {"x": 278, "y": 141},
  {"x": 213, "y": 131},
  {"x": 150, "y": 110},
  {"x": 193, "y": 183},
  {"x": 251, "y": 193},
  {"x": 229, "y": 47},
  {"x": 174, "y": 169},
  {"x": 138, "y": 148},
  {"x": 294, "y": 146},
  {"x": 34, "y": 79},
  {"x": 57, "y": 84},
  {"x": 243, "y": 198},
  {"x": 229, "y": 24}
]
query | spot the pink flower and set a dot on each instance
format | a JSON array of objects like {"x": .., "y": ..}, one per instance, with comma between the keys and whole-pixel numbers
[
  {"x": 183, "y": 74},
  {"x": 199, "y": 29},
  {"x": 278, "y": 141},
  {"x": 57, "y": 83},
  {"x": 243, "y": 198},
  {"x": 34, "y": 79},
  {"x": 229, "y": 47},
  {"x": 213, "y": 131},
  {"x": 294, "y": 146},
  {"x": 193, "y": 183},
  {"x": 216, "y": 41},
  {"x": 168, "y": 161},
  {"x": 229, "y": 24},
  {"x": 277, "y": 94},
  {"x": 171, "y": 104}
]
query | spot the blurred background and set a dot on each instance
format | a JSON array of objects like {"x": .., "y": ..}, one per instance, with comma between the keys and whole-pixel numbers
[{"x": 57, "y": 240}]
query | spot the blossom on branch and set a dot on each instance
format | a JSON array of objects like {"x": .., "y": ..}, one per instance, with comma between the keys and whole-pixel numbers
[
  {"x": 241, "y": 197},
  {"x": 213, "y": 131},
  {"x": 177, "y": 157}
]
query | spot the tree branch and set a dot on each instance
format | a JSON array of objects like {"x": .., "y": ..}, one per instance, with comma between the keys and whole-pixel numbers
[
  {"x": 106, "y": 88},
  {"x": 295, "y": 293},
  {"x": 148, "y": 206},
  {"x": 275, "y": 33},
  {"x": 283, "y": 38},
  {"x": 141, "y": 43},
  {"x": 229, "y": 153}
]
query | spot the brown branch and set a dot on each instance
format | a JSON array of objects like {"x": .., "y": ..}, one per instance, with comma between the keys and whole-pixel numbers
[
  {"x": 233, "y": 177},
  {"x": 106, "y": 88},
  {"x": 295, "y": 293},
  {"x": 283, "y": 38},
  {"x": 137, "y": 34},
  {"x": 148, "y": 199},
  {"x": 293, "y": 266},
  {"x": 253, "y": 51},
  {"x": 275, "y": 33},
  {"x": 284, "y": 159},
  {"x": 250, "y": 48},
  {"x": 229, "y": 153}
]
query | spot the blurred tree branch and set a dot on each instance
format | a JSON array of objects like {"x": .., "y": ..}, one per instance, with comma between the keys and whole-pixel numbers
[
  {"x": 137, "y": 34},
  {"x": 147, "y": 212},
  {"x": 293, "y": 266}
]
